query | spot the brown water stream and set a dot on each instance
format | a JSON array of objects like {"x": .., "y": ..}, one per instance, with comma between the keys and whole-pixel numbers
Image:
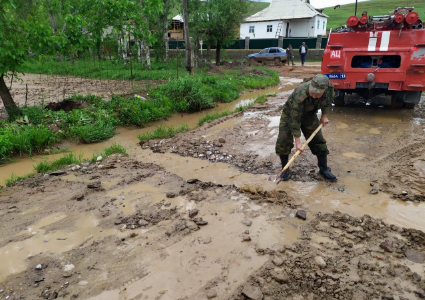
[{"x": 128, "y": 137}]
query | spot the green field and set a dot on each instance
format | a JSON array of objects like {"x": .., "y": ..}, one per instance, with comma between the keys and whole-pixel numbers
[{"x": 339, "y": 16}]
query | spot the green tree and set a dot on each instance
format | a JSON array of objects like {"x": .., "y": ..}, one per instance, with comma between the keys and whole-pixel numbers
[
  {"x": 221, "y": 20},
  {"x": 22, "y": 36}
]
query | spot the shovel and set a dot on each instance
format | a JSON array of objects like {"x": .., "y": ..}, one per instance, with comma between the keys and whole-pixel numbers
[{"x": 278, "y": 179}]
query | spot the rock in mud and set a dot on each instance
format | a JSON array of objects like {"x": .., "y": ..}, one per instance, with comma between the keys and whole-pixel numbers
[
  {"x": 387, "y": 247},
  {"x": 94, "y": 185},
  {"x": 320, "y": 261},
  {"x": 415, "y": 256},
  {"x": 222, "y": 140},
  {"x": 211, "y": 294},
  {"x": 201, "y": 223},
  {"x": 79, "y": 197},
  {"x": 57, "y": 173},
  {"x": 170, "y": 195},
  {"x": 302, "y": 214},
  {"x": 193, "y": 213},
  {"x": 247, "y": 222},
  {"x": 192, "y": 181},
  {"x": 420, "y": 293},
  {"x": 416, "y": 277},
  {"x": 246, "y": 238},
  {"x": 39, "y": 267},
  {"x": 143, "y": 223},
  {"x": 252, "y": 292},
  {"x": 404, "y": 193},
  {"x": 278, "y": 261},
  {"x": 279, "y": 276}
]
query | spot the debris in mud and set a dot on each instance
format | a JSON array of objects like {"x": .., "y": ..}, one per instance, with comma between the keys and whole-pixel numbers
[
  {"x": 58, "y": 173},
  {"x": 94, "y": 185},
  {"x": 170, "y": 195},
  {"x": 193, "y": 213},
  {"x": 67, "y": 105},
  {"x": 252, "y": 292},
  {"x": 247, "y": 222},
  {"x": 211, "y": 294},
  {"x": 192, "y": 181},
  {"x": 301, "y": 214},
  {"x": 387, "y": 247},
  {"x": 415, "y": 256}
]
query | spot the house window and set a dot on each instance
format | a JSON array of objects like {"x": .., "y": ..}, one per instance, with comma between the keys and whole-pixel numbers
[
  {"x": 269, "y": 28},
  {"x": 324, "y": 25},
  {"x": 318, "y": 24},
  {"x": 251, "y": 29}
]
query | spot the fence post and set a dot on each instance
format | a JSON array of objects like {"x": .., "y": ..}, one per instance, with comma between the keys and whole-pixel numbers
[
  {"x": 247, "y": 43},
  {"x": 280, "y": 42},
  {"x": 319, "y": 42}
]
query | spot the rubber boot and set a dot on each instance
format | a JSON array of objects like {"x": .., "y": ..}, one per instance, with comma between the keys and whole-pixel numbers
[
  {"x": 323, "y": 167},
  {"x": 284, "y": 160}
]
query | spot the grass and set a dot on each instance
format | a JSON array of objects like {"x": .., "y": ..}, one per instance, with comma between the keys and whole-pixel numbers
[
  {"x": 14, "y": 178},
  {"x": 162, "y": 132},
  {"x": 113, "y": 149},
  {"x": 213, "y": 116},
  {"x": 46, "y": 166},
  {"x": 339, "y": 16}
]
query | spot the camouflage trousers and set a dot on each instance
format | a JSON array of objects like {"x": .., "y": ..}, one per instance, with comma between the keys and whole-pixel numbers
[
  {"x": 290, "y": 59},
  {"x": 285, "y": 140}
]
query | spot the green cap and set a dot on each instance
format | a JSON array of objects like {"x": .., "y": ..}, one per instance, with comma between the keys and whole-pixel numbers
[{"x": 319, "y": 84}]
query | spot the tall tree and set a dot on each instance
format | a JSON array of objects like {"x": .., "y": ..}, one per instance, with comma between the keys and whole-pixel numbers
[
  {"x": 188, "y": 46},
  {"x": 222, "y": 22}
]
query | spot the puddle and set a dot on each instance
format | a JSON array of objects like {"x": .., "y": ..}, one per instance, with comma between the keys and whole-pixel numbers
[
  {"x": 128, "y": 198},
  {"x": 274, "y": 121},
  {"x": 374, "y": 131},
  {"x": 354, "y": 155},
  {"x": 13, "y": 256}
]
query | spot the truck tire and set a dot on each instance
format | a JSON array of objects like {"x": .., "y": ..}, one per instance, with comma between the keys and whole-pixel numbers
[
  {"x": 409, "y": 105},
  {"x": 339, "y": 98},
  {"x": 396, "y": 101}
]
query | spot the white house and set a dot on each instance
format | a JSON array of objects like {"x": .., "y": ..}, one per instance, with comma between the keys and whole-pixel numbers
[{"x": 287, "y": 18}]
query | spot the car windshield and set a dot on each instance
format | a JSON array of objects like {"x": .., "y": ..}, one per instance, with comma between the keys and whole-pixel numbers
[
  {"x": 282, "y": 50},
  {"x": 264, "y": 51}
]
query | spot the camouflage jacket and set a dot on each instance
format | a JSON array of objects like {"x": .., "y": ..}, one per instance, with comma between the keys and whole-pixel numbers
[{"x": 301, "y": 106}]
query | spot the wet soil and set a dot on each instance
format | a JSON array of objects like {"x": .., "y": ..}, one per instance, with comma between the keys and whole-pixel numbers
[{"x": 196, "y": 217}]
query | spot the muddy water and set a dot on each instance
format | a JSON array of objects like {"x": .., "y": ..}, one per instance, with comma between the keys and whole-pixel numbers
[{"x": 128, "y": 137}]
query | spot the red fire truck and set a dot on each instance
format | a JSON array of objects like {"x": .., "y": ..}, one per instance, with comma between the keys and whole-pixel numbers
[{"x": 375, "y": 55}]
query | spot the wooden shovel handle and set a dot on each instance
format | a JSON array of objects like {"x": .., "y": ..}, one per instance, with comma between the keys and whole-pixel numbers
[{"x": 302, "y": 147}]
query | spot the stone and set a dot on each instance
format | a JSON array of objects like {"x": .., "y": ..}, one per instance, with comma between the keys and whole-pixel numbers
[
  {"x": 212, "y": 157},
  {"x": 38, "y": 267},
  {"x": 68, "y": 267},
  {"x": 222, "y": 140},
  {"x": 211, "y": 294},
  {"x": 404, "y": 193},
  {"x": 57, "y": 173},
  {"x": 374, "y": 191},
  {"x": 301, "y": 214},
  {"x": 420, "y": 293},
  {"x": 99, "y": 158},
  {"x": 170, "y": 195},
  {"x": 280, "y": 277},
  {"x": 193, "y": 213},
  {"x": 417, "y": 277},
  {"x": 415, "y": 256},
  {"x": 67, "y": 274},
  {"x": 252, "y": 292},
  {"x": 387, "y": 247},
  {"x": 247, "y": 222},
  {"x": 201, "y": 223},
  {"x": 79, "y": 197},
  {"x": 192, "y": 181},
  {"x": 246, "y": 238},
  {"x": 278, "y": 261},
  {"x": 320, "y": 261},
  {"x": 94, "y": 185},
  {"x": 143, "y": 223}
]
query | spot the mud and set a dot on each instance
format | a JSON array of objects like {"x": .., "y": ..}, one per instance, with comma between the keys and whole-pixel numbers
[{"x": 199, "y": 217}]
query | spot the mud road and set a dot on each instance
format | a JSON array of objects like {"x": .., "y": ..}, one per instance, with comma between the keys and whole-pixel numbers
[{"x": 195, "y": 217}]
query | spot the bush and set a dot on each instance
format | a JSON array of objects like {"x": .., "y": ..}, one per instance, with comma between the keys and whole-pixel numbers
[
  {"x": 99, "y": 131},
  {"x": 115, "y": 149},
  {"x": 29, "y": 139}
]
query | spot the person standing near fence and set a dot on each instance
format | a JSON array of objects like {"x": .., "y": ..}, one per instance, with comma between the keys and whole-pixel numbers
[
  {"x": 290, "y": 54},
  {"x": 303, "y": 53}
]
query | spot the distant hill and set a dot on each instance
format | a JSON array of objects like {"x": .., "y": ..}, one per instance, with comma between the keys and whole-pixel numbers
[{"x": 339, "y": 16}]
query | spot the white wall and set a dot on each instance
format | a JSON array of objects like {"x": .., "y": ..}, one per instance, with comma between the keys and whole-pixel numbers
[
  {"x": 297, "y": 28},
  {"x": 260, "y": 29}
]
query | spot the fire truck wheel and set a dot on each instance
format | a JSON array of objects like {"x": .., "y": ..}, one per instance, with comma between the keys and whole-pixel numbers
[
  {"x": 396, "y": 102},
  {"x": 339, "y": 98},
  {"x": 409, "y": 105}
]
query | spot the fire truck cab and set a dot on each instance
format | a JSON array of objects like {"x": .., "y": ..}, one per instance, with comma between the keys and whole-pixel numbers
[{"x": 378, "y": 55}]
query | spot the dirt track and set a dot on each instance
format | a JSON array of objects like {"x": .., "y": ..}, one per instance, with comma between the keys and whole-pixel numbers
[{"x": 133, "y": 236}]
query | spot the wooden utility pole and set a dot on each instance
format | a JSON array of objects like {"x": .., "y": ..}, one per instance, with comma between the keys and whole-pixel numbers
[{"x": 188, "y": 46}]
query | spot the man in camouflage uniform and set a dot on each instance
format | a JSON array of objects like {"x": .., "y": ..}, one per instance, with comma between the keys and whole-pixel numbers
[{"x": 300, "y": 114}]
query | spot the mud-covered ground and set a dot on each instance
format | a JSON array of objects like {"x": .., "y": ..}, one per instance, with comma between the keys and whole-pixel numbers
[{"x": 195, "y": 216}]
